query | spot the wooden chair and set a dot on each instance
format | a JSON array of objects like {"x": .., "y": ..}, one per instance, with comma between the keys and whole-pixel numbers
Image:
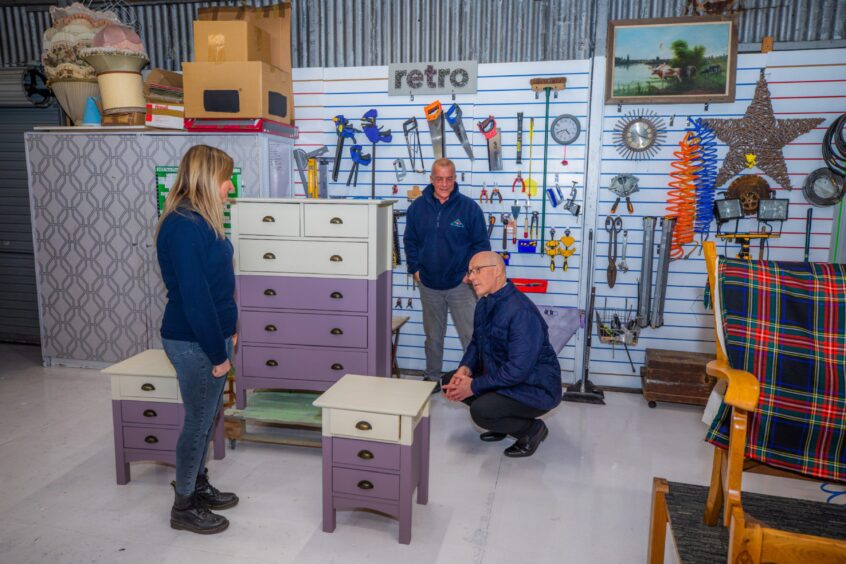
[{"x": 777, "y": 533}]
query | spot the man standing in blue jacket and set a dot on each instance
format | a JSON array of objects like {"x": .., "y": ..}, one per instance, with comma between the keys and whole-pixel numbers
[
  {"x": 510, "y": 374},
  {"x": 443, "y": 230}
]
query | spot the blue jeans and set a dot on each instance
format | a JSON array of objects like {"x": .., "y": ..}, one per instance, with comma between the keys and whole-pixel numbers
[{"x": 202, "y": 395}]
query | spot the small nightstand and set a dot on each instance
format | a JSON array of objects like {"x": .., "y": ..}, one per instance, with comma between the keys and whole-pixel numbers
[
  {"x": 375, "y": 447},
  {"x": 147, "y": 412}
]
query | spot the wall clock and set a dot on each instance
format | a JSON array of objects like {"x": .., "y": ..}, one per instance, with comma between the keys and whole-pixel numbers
[
  {"x": 565, "y": 129},
  {"x": 639, "y": 134}
]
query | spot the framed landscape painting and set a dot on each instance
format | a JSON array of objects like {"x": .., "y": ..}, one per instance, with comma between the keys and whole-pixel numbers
[{"x": 671, "y": 60}]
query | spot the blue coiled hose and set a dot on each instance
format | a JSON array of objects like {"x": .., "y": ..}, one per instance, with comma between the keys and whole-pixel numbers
[{"x": 706, "y": 177}]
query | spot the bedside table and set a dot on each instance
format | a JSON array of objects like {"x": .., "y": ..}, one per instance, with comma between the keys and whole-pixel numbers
[
  {"x": 375, "y": 447},
  {"x": 147, "y": 412}
]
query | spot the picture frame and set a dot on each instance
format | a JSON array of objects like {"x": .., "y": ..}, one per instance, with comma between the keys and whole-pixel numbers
[{"x": 671, "y": 60}]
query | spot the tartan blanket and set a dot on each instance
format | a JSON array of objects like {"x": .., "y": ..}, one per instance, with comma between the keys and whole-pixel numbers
[{"x": 785, "y": 322}]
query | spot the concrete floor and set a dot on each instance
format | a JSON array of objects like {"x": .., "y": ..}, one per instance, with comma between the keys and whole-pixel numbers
[{"x": 584, "y": 496}]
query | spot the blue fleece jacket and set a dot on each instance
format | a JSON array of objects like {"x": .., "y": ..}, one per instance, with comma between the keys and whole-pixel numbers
[
  {"x": 510, "y": 353},
  {"x": 199, "y": 276},
  {"x": 440, "y": 239}
]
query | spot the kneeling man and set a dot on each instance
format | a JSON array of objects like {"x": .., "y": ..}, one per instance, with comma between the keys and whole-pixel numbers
[{"x": 510, "y": 374}]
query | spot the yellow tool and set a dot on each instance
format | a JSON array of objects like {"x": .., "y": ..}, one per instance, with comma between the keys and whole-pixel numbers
[
  {"x": 312, "y": 178},
  {"x": 568, "y": 250},
  {"x": 531, "y": 185},
  {"x": 551, "y": 251}
]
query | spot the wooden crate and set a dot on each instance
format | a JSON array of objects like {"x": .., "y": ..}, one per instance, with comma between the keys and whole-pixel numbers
[{"x": 676, "y": 376}]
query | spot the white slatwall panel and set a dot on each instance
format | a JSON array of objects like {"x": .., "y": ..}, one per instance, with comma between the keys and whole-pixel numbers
[
  {"x": 802, "y": 84},
  {"x": 504, "y": 90}
]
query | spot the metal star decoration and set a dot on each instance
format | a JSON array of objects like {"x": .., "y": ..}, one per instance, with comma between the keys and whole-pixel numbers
[{"x": 760, "y": 134}]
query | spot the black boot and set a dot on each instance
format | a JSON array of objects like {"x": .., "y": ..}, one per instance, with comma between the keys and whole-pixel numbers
[
  {"x": 191, "y": 514},
  {"x": 214, "y": 498}
]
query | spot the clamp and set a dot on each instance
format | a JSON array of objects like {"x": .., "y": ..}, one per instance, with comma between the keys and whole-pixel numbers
[
  {"x": 358, "y": 159},
  {"x": 344, "y": 130},
  {"x": 495, "y": 193}
]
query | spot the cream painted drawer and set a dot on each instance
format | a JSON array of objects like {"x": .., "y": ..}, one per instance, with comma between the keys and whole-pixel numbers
[
  {"x": 278, "y": 220},
  {"x": 335, "y": 258},
  {"x": 152, "y": 387},
  {"x": 361, "y": 424},
  {"x": 335, "y": 221}
]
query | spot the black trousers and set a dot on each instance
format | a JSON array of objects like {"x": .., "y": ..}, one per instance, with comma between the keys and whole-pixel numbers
[
  {"x": 498, "y": 413},
  {"x": 501, "y": 414}
]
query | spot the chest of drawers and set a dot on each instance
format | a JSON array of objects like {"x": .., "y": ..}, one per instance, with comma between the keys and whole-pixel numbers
[
  {"x": 314, "y": 291},
  {"x": 375, "y": 447},
  {"x": 147, "y": 412}
]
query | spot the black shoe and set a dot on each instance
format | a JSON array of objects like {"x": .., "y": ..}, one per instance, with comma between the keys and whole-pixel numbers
[
  {"x": 528, "y": 444},
  {"x": 211, "y": 496},
  {"x": 491, "y": 437},
  {"x": 191, "y": 514}
]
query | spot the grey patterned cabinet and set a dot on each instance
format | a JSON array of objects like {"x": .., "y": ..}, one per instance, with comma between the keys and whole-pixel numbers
[{"x": 93, "y": 202}]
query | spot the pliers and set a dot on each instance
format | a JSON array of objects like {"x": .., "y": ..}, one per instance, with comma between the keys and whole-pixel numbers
[
  {"x": 520, "y": 180},
  {"x": 495, "y": 193},
  {"x": 483, "y": 195},
  {"x": 533, "y": 227}
]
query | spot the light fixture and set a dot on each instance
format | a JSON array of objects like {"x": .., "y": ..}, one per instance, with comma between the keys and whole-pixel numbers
[
  {"x": 773, "y": 209},
  {"x": 727, "y": 209}
]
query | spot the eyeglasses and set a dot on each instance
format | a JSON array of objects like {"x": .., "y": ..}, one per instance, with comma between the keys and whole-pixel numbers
[{"x": 478, "y": 269}]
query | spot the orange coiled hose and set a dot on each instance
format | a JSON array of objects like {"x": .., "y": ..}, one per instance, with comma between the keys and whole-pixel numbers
[{"x": 681, "y": 200}]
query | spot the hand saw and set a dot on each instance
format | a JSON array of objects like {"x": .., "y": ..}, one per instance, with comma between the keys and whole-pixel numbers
[
  {"x": 435, "y": 119},
  {"x": 453, "y": 116},
  {"x": 492, "y": 134},
  {"x": 412, "y": 142}
]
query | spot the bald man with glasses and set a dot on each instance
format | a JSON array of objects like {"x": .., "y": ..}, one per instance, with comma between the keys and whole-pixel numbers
[{"x": 510, "y": 374}]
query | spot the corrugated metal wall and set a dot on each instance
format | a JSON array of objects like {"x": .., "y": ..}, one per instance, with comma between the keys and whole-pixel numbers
[{"x": 334, "y": 33}]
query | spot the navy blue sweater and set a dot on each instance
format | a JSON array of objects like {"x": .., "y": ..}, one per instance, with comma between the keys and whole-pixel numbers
[
  {"x": 200, "y": 280},
  {"x": 440, "y": 239},
  {"x": 510, "y": 353}
]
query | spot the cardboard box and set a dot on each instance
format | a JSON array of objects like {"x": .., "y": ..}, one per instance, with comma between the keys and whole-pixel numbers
[
  {"x": 230, "y": 41},
  {"x": 163, "y": 87},
  {"x": 275, "y": 20},
  {"x": 165, "y": 116},
  {"x": 249, "y": 89}
]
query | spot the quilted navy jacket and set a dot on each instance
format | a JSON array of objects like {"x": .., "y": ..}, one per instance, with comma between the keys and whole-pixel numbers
[{"x": 510, "y": 352}]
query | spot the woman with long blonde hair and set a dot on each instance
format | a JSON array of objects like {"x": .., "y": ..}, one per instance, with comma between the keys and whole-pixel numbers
[{"x": 199, "y": 325}]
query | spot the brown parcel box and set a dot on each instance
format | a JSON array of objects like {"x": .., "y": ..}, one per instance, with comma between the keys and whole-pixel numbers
[
  {"x": 230, "y": 41},
  {"x": 275, "y": 20},
  {"x": 245, "y": 90},
  {"x": 163, "y": 87}
]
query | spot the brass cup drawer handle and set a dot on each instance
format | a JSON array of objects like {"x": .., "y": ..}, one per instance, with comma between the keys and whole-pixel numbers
[
  {"x": 336, "y": 221},
  {"x": 336, "y": 258},
  {"x": 270, "y": 328},
  {"x": 365, "y": 485},
  {"x": 337, "y": 331},
  {"x": 270, "y": 292},
  {"x": 272, "y": 362},
  {"x": 269, "y": 256},
  {"x": 268, "y": 219},
  {"x": 151, "y": 439},
  {"x": 336, "y": 296},
  {"x": 363, "y": 426},
  {"x": 337, "y": 366},
  {"x": 150, "y": 413},
  {"x": 147, "y": 387},
  {"x": 365, "y": 455}
]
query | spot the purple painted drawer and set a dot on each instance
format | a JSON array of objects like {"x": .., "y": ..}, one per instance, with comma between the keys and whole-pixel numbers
[
  {"x": 304, "y": 329},
  {"x": 365, "y": 453},
  {"x": 365, "y": 483},
  {"x": 322, "y": 364},
  {"x": 287, "y": 292},
  {"x": 155, "y": 412},
  {"x": 154, "y": 438}
]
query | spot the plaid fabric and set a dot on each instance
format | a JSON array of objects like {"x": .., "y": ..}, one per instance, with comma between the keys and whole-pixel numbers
[{"x": 786, "y": 324}]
